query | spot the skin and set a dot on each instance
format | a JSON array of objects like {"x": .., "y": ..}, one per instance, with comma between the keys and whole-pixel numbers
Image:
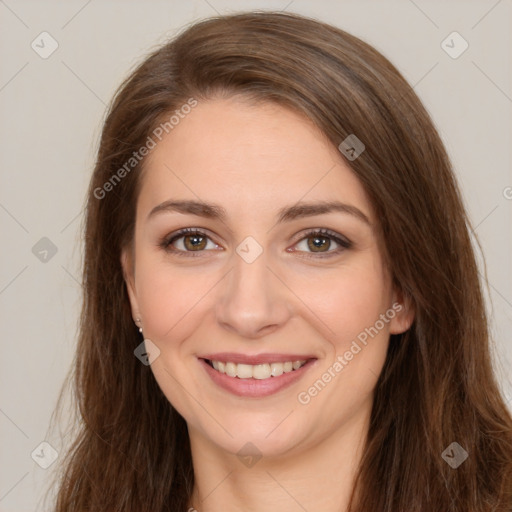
[{"x": 253, "y": 159}]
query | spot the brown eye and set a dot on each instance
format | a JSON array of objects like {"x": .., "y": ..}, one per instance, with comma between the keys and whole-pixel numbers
[
  {"x": 194, "y": 242},
  {"x": 318, "y": 243}
]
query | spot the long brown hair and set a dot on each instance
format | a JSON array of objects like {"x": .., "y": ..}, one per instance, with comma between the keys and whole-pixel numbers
[{"x": 131, "y": 449}]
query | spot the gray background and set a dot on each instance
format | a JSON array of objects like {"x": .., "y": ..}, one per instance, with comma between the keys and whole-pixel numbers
[{"x": 51, "y": 114}]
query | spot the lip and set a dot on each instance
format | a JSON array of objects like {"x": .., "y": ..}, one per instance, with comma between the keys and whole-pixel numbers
[
  {"x": 233, "y": 357},
  {"x": 256, "y": 388}
]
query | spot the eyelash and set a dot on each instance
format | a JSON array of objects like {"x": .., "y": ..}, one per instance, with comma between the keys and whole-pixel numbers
[{"x": 166, "y": 242}]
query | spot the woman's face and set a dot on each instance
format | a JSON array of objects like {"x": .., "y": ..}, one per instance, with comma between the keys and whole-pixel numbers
[{"x": 258, "y": 287}]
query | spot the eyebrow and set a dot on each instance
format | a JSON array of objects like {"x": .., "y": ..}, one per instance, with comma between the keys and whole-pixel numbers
[{"x": 286, "y": 214}]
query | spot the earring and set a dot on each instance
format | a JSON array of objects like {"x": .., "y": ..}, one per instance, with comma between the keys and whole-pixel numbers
[{"x": 138, "y": 322}]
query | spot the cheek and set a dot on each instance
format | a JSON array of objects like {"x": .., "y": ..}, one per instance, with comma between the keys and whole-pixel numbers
[
  {"x": 169, "y": 301},
  {"x": 345, "y": 380},
  {"x": 357, "y": 307},
  {"x": 346, "y": 301}
]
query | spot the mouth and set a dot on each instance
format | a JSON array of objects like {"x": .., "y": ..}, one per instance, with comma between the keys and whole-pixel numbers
[{"x": 265, "y": 376}]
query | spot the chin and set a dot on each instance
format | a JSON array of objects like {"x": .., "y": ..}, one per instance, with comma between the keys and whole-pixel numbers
[{"x": 269, "y": 436}]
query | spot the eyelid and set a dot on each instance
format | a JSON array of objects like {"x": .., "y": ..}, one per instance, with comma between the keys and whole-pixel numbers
[
  {"x": 343, "y": 242},
  {"x": 166, "y": 242}
]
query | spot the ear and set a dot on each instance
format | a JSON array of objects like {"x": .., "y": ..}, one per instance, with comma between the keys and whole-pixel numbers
[
  {"x": 127, "y": 264},
  {"x": 404, "y": 312}
]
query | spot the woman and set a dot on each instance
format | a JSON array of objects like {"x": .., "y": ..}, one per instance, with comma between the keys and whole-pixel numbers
[{"x": 282, "y": 308}]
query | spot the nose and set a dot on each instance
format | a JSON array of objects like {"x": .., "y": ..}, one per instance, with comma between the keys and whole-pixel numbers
[{"x": 253, "y": 300}]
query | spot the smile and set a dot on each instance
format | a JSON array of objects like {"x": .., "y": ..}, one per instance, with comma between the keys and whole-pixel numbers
[{"x": 259, "y": 380}]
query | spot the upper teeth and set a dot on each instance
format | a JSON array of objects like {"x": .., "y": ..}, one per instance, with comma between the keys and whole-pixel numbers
[{"x": 257, "y": 371}]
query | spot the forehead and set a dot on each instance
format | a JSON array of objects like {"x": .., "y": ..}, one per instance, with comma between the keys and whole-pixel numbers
[{"x": 251, "y": 157}]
